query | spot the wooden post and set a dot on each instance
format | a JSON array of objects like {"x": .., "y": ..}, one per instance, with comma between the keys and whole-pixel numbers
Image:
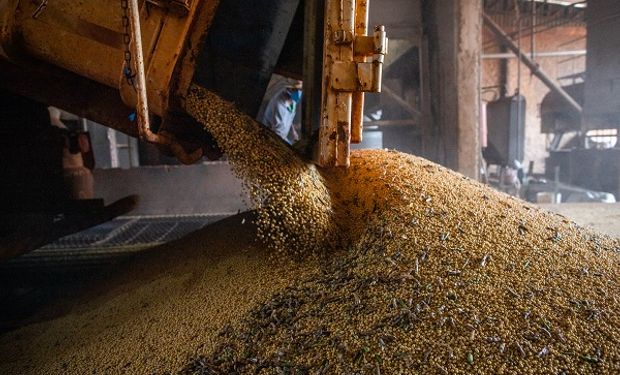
[{"x": 452, "y": 66}]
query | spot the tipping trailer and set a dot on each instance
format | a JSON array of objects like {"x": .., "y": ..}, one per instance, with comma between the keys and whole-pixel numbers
[{"x": 129, "y": 64}]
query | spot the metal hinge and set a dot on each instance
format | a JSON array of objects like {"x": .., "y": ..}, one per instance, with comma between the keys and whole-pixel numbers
[{"x": 352, "y": 76}]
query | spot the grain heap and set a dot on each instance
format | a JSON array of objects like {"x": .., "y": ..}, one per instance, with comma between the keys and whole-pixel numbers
[
  {"x": 440, "y": 274},
  {"x": 446, "y": 276},
  {"x": 293, "y": 205},
  {"x": 151, "y": 315}
]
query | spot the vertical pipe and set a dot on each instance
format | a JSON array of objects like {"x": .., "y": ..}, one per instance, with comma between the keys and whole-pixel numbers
[
  {"x": 532, "y": 33},
  {"x": 519, "y": 21},
  {"x": 357, "y": 109},
  {"x": 142, "y": 109},
  {"x": 112, "y": 147},
  {"x": 519, "y": 49},
  {"x": 503, "y": 73},
  {"x": 428, "y": 139}
]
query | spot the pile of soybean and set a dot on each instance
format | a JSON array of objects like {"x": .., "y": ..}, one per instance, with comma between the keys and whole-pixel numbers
[
  {"x": 152, "y": 315},
  {"x": 435, "y": 273},
  {"x": 395, "y": 265}
]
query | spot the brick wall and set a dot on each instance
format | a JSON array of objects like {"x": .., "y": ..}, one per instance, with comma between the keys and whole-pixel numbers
[{"x": 556, "y": 39}]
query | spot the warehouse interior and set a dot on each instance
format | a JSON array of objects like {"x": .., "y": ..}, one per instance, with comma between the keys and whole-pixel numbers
[{"x": 444, "y": 197}]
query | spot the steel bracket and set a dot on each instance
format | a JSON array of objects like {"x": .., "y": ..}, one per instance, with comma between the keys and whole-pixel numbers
[
  {"x": 362, "y": 76},
  {"x": 376, "y": 44}
]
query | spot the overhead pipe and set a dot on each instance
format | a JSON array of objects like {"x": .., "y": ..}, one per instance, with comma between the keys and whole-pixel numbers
[
  {"x": 549, "y": 82},
  {"x": 580, "y": 52}
]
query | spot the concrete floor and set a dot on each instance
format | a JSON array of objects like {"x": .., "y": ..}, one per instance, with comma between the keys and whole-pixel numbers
[{"x": 604, "y": 217}]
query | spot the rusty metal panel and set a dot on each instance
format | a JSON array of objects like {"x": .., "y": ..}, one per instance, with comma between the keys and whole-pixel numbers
[
  {"x": 54, "y": 33},
  {"x": 59, "y": 28},
  {"x": 345, "y": 72},
  {"x": 175, "y": 38}
]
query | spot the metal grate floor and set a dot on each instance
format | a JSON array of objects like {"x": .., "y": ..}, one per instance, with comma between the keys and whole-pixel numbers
[
  {"x": 135, "y": 230},
  {"x": 114, "y": 240}
]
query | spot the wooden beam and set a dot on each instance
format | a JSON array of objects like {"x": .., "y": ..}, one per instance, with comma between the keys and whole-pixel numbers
[
  {"x": 402, "y": 102},
  {"x": 407, "y": 122}
]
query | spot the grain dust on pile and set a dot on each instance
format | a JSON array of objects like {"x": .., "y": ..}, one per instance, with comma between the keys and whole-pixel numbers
[
  {"x": 432, "y": 273},
  {"x": 446, "y": 276}
]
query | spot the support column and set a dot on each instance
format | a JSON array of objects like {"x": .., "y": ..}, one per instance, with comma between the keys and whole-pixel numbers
[{"x": 452, "y": 29}]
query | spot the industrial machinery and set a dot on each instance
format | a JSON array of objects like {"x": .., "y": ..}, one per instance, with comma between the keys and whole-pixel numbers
[
  {"x": 129, "y": 65},
  {"x": 103, "y": 61},
  {"x": 600, "y": 117},
  {"x": 583, "y": 118},
  {"x": 505, "y": 131}
]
